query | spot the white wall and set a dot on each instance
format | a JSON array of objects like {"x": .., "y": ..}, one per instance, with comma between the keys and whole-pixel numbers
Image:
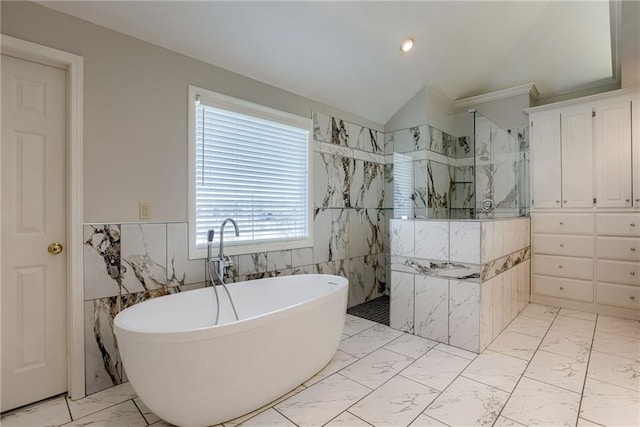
[
  {"x": 428, "y": 103},
  {"x": 507, "y": 113},
  {"x": 135, "y": 111}
]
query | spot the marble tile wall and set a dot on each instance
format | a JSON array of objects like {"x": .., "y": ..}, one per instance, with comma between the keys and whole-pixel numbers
[
  {"x": 351, "y": 178},
  {"x": 458, "y": 282},
  {"x": 442, "y": 178},
  {"x": 125, "y": 264}
]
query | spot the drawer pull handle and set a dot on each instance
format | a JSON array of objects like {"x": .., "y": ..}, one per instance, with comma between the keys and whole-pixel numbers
[
  {"x": 633, "y": 273},
  {"x": 637, "y": 200},
  {"x": 561, "y": 223},
  {"x": 557, "y": 201},
  {"x": 632, "y": 297},
  {"x": 633, "y": 224},
  {"x": 564, "y": 201},
  {"x": 633, "y": 249},
  {"x": 559, "y": 266},
  {"x": 562, "y": 245},
  {"x": 561, "y": 288},
  {"x": 627, "y": 200}
]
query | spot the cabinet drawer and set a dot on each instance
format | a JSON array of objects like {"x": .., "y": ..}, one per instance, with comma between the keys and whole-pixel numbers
[
  {"x": 559, "y": 223},
  {"x": 619, "y": 224},
  {"x": 572, "y": 268},
  {"x": 622, "y": 248},
  {"x": 619, "y": 272},
  {"x": 561, "y": 244},
  {"x": 618, "y": 295},
  {"x": 578, "y": 290}
]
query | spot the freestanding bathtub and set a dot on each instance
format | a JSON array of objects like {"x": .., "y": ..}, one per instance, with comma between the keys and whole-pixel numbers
[{"x": 192, "y": 373}]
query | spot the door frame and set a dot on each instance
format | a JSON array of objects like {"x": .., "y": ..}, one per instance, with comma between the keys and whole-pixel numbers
[{"x": 73, "y": 64}]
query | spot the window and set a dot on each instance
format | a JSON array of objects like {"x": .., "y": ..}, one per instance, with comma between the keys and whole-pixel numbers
[{"x": 250, "y": 163}]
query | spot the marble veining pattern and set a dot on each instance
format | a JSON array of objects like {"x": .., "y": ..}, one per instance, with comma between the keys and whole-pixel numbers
[
  {"x": 432, "y": 240},
  {"x": 101, "y": 252},
  {"x": 431, "y": 308},
  {"x": 351, "y": 175},
  {"x": 493, "y": 268},
  {"x": 464, "y": 315},
  {"x": 144, "y": 258},
  {"x": 465, "y": 242},
  {"x": 402, "y": 301},
  {"x": 446, "y": 270},
  {"x": 439, "y": 385}
]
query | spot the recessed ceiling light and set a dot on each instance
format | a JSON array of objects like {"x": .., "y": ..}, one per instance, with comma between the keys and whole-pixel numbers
[{"x": 407, "y": 44}]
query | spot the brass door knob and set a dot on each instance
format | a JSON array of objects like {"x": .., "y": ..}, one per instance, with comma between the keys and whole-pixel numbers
[{"x": 55, "y": 248}]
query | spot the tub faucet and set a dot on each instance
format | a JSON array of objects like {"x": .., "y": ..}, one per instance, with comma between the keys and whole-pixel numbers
[
  {"x": 235, "y": 225},
  {"x": 223, "y": 262}
]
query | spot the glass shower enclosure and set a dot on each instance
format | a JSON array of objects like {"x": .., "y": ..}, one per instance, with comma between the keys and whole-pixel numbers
[{"x": 461, "y": 166}]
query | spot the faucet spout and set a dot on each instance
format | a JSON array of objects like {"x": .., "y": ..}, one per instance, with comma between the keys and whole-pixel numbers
[{"x": 235, "y": 226}]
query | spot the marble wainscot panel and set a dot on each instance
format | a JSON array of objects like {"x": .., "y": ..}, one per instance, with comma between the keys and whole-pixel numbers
[
  {"x": 144, "y": 257},
  {"x": 103, "y": 367},
  {"x": 102, "y": 360},
  {"x": 465, "y": 241},
  {"x": 180, "y": 269},
  {"x": 464, "y": 315},
  {"x": 467, "y": 299},
  {"x": 402, "y": 302},
  {"x": 431, "y": 308},
  {"x": 101, "y": 261}
]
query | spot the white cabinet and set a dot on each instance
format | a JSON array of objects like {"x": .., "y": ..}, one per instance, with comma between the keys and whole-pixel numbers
[
  {"x": 584, "y": 152},
  {"x": 546, "y": 157},
  {"x": 562, "y": 158},
  {"x": 618, "y": 265},
  {"x": 563, "y": 255},
  {"x": 577, "y": 157},
  {"x": 613, "y": 153},
  {"x": 586, "y": 252}
]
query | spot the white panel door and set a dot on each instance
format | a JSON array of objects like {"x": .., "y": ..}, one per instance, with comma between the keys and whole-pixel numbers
[
  {"x": 635, "y": 130},
  {"x": 613, "y": 154},
  {"x": 546, "y": 160},
  {"x": 33, "y": 287},
  {"x": 577, "y": 157}
]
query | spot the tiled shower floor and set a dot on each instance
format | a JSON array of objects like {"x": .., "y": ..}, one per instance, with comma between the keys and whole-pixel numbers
[
  {"x": 549, "y": 367},
  {"x": 376, "y": 310}
]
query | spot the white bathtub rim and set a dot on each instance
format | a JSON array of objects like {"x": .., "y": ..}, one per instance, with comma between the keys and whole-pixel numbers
[{"x": 214, "y": 331}]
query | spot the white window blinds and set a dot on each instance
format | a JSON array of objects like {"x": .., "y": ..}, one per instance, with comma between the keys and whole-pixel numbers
[{"x": 251, "y": 169}]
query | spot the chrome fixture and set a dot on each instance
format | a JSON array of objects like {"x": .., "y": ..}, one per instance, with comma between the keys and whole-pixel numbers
[
  {"x": 487, "y": 205},
  {"x": 221, "y": 253},
  {"x": 219, "y": 266}
]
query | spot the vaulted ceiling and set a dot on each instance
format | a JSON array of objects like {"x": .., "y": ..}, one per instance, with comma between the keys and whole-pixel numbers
[{"x": 346, "y": 54}]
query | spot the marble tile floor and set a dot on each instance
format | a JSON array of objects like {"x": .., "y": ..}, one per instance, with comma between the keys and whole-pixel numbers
[{"x": 551, "y": 366}]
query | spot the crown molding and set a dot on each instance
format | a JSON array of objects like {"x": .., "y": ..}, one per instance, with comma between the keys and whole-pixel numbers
[{"x": 529, "y": 89}]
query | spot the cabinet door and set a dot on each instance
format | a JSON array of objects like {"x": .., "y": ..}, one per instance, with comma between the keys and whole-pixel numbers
[
  {"x": 635, "y": 130},
  {"x": 545, "y": 160},
  {"x": 613, "y": 154},
  {"x": 577, "y": 157}
]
